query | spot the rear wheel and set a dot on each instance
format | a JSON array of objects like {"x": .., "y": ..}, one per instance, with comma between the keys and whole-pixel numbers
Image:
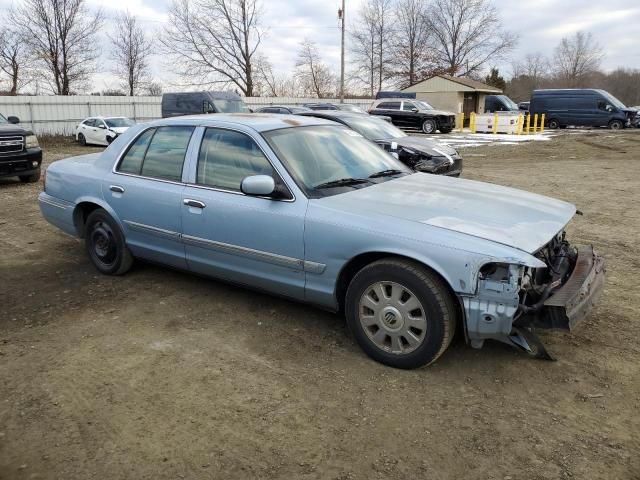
[
  {"x": 616, "y": 125},
  {"x": 401, "y": 314},
  {"x": 553, "y": 123},
  {"x": 429, "y": 126},
  {"x": 106, "y": 245},
  {"x": 30, "y": 178},
  {"x": 82, "y": 140}
]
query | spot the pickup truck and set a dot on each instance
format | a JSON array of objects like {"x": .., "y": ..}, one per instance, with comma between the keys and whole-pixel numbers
[{"x": 20, "y": 154}]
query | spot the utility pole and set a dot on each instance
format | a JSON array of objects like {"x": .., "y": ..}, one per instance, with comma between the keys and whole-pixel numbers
[{"x": 341, "y": 17}]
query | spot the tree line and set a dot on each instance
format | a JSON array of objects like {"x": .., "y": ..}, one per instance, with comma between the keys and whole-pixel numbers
[{"x": 219, "y": 44}]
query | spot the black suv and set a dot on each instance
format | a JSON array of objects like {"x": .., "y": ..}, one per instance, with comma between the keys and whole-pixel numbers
[
  {"x": 407, "y": 113},
  {"x": 20, "y": 154}
]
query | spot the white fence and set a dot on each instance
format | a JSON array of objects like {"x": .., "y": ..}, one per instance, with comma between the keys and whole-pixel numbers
[{"x": 58, "y": 115}]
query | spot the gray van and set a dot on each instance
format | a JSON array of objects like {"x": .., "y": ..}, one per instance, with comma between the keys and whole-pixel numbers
[
  {"x": 194, "y": 103},
  {"x": 580, "y": 107},
  {"x": 499, "y": 103}
]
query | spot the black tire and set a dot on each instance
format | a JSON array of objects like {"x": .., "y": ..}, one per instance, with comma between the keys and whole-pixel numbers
[
  {"x": 553, "y": 123},
  {"x": 429, "y": 126},
  {"x": 106, "y": 245},
  {"x": 616, "y": 125},
  {"x": 446, "y": 130},
  {"x": 81, "y": 140},
  {"x": 30, "y": 178},
  {"x": 434, "y": 298}
]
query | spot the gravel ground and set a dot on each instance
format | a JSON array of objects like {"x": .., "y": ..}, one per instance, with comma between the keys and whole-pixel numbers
[{"x": 160, "y": 374}]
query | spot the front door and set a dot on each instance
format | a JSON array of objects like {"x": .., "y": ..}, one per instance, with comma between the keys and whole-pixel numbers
[
  {"x": 146, "y": 193},
  {"x": 256, "y": 241}
]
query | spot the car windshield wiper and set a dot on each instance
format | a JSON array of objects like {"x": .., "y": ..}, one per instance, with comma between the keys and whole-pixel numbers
[
  {"x": 342, "y": 182},
  {"x": 386, "y": 173}
]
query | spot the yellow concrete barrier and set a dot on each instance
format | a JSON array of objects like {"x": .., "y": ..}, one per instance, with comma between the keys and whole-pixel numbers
[
  {"x": 495, "y": 124},
  {"x": 461, "y": 122},
  {"x": 535, "y": 124},
  {"x": 542, "y": 124},
  {"x": 472, "y": 122}
]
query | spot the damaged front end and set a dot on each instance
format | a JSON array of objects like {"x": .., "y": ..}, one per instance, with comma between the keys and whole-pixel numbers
[
  {"x": 513, "y": 300},
  {"x": 432, "y": 160}
]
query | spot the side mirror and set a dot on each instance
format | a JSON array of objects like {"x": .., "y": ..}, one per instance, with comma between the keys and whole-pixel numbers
[
  {"x": 14, "y": 120},
  {"x": 414, "y": 110},
  {"x": 102, "y": 126},
  {"x": 258, "y": 185}
]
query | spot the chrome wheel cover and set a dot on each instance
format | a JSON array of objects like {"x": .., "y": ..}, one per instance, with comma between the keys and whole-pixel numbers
[{"x": 392, "y": 317}]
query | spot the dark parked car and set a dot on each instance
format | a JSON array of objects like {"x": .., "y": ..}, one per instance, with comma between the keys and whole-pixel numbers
[
  {"x": 580, "y": 107},
  {"x": 20, "y": 154},
  {"x": 193, "y": 103},
  {"x": 499, "y": 103},
  {"x": 284, "y": 109},
  {"x": 407, "y": 113},
  {"x": 420, "y": 154},
  {"x": 347, "y": 107}
]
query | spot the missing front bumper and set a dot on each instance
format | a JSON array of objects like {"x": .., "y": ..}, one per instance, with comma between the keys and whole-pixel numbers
[{"x": 575, "y": 299}]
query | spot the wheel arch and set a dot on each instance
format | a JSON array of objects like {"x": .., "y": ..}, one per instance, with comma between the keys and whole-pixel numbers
[
  {"x": 84, "y": 207},
  {"x": 358, "y": 262}
]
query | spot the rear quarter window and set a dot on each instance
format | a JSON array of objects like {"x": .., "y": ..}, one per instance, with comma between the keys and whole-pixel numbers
[{"x": 389, "y": 106}]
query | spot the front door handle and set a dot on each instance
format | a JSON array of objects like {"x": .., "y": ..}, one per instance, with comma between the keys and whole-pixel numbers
[
  {"x": 193, "y": 203},
  {"x": 116, "y": 188}
]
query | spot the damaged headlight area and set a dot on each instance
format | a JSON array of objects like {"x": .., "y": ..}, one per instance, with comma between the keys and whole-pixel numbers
[{"x": 512, "y": 299}]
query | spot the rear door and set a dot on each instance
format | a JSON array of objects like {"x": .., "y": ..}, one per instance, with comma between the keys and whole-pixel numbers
[
  {"x": 145, "y": 191},
  {"x": 390, "y": 109},
  {"x": 256, "y": 241}
]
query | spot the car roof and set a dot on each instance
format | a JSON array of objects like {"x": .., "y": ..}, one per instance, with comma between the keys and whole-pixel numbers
[
  {"x": 397, "y": 99},
  {"x": 334, "y": 113},
  {"x": 260, "y": 122}
]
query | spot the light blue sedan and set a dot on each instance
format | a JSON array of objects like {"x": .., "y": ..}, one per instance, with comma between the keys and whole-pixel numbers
[{"x": 308, "y": 209}]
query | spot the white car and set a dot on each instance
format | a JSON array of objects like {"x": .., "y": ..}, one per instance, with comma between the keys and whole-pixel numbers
[{"x": 101, "y": 130}]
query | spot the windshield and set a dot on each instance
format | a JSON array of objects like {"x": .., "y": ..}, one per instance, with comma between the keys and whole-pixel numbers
[
  {"x": 510, "y": 104},
  {"x": 349, "y": 108},
  {"x": 230, "y": 106},
  {"x": 318, "y": 155},
  {"x": 613, "y": 100},
  {"x": 373, "y": 128},
  {"x": 423, "y": 105},
  {"x": 2, "y": 119},
  {"x": 119, "y": 122}
]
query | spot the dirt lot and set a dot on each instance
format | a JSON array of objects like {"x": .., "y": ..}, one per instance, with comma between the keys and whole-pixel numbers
[{"x": 160, "y": 374}]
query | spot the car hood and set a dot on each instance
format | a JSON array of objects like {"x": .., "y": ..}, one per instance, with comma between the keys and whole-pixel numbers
[
  {"x": 425, "y": 145},
  {"x": 504, "y": 215},
  {"x": 119, "y": 129},
  {"x": 437, "y": 112},
  {"x": 12, "y": 129}
]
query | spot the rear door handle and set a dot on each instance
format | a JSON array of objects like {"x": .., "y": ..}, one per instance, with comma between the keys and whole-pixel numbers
[
  {"x": 193, "y": 203},
  {"x": 116, "y": 188}
]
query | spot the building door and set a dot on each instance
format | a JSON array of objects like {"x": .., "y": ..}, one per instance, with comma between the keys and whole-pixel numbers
[{"x": 469, "y": 105}]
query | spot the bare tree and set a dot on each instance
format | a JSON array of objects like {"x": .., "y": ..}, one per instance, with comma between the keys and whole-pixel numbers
[
  {"x": 153, "y": 89},
  {"x": 315, "y": 76},
  {"x": 467, "y": 34},
  {"x": 61, "y": 34},
  {"x": 214, "y": 42},
  {"x": 130, "y": 53},
  {"x": 576, "y": 58},
  {"x": 370, "y": 43},
  {"x": 15, "y": 60},
  {"x": 534, "y": 66},
  {"x": 411, "y": 55}
]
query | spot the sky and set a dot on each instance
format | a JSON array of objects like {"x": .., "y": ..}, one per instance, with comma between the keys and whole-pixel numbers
[{"x": 540, "y": 24}]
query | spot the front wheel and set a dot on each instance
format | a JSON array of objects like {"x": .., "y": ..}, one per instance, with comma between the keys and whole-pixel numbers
[
  {"x": 106, "y": 245},
  {"x": 82, "y": 140},
  {"x": 429, "y": 126},
  {"x": 400, "y": 313},
  {"x": 616, "y": 125}
]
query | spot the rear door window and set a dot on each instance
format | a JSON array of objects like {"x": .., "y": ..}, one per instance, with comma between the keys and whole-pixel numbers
[
  {"x": 389, "y": 106},
  {"x": 166, "y": 152},
  {"x": 132, "y": 161}
]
